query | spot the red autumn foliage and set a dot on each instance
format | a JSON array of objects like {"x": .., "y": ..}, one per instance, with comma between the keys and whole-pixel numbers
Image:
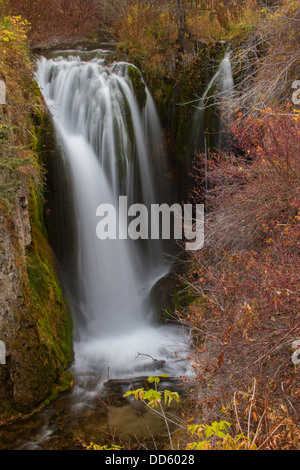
[
  {"x": 57, "y": 21},
  {"x": 247, "y": 279},
  {"x": 253, "y": 185}
]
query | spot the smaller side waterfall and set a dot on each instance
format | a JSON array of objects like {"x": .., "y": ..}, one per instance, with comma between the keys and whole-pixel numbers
[
  {"x": 216, "y": 95},
  {"x": 226, "y": 89}
]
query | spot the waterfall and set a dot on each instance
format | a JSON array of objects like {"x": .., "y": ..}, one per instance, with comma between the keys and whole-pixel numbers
[
  {"x": 109, "y": 140},
  {"x": 226, "y": 88},
  {"x": 218, "y": 91},
  {"x": 227, "y": 81}
]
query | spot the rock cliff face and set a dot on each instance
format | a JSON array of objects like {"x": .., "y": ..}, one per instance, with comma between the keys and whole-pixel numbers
[
  {"x": 12, "y": 301},
  {"x": 35, "y": 323}
]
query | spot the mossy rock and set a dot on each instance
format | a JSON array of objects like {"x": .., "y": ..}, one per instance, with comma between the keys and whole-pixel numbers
[
  {"x": 138, "y": 85},
  {"x": 42, "y": 350}
]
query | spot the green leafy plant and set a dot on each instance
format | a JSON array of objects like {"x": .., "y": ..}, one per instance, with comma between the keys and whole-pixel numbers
[
  {"x": 215, "y": 436},
  {"x": 153, "y": 397},
  {"x": 93, "y": 446},
  {"x": 207, "y": 437}
]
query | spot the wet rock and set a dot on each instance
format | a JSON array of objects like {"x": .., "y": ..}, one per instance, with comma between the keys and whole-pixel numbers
[{"x": 164, "y": 294}]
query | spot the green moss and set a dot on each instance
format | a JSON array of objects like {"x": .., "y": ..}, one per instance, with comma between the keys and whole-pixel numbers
[
  {"x": 65, "y": 384},
  {"x": 54, "y": 322},
  {"x": 38, "y": 275},
  {"x": 46, "y": 338},
  {"x": 138, "y": 85},
  {"x": 47, "y": 333},
  {"x": 162, "y": 92}
]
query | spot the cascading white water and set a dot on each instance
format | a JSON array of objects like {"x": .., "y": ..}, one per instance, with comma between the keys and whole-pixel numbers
[
  {"x": 227, "y": 82},
  {"x": 104, "y": 136},
  {"x": 221, "y": 84}
]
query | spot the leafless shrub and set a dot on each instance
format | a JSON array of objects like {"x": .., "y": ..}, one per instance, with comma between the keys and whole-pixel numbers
[{"x": 269, "y": 61}]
